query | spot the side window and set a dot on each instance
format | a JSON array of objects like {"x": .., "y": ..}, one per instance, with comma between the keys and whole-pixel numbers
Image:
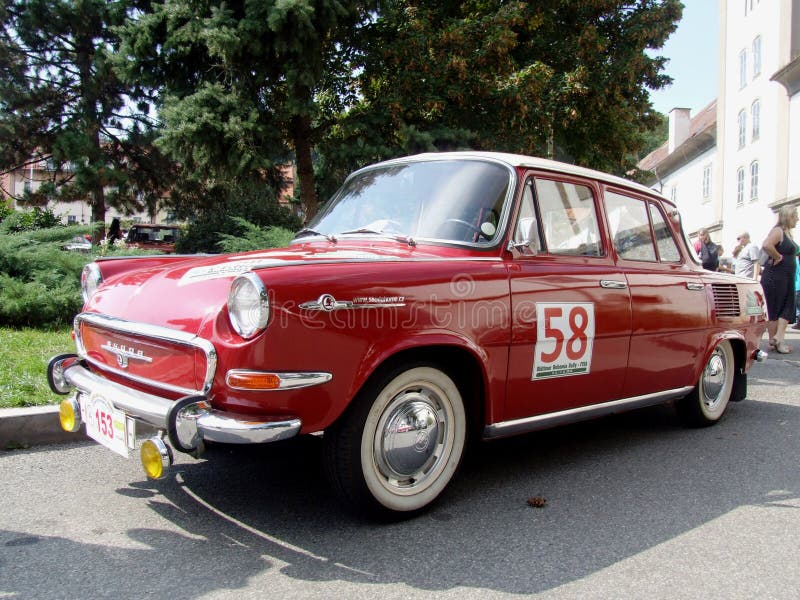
[
  {"x": 526, "y": 233},
  {"x": 630, "y": 227},
  {"x": 667, "y": 248},
  {"x": 568, "y": 218}
]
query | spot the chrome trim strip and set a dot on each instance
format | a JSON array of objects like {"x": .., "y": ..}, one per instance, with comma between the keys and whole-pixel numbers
[
  {"x": 387, "y": 259},
  {"x": 327, "y": 303},
  {"x": 695, "y": 287},
  {"x": 229, "y": 428},
  {"x": 289, "y": 381},
  {"x": 508, "y": 428},
  {"x": 213, "y": 425},
  {"x": 151, "y": 331}
]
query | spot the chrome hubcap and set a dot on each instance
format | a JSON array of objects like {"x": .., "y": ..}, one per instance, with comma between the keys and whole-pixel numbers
[
  {"x": 410, "y": 437},
  {"x": 714, "y": 377}
]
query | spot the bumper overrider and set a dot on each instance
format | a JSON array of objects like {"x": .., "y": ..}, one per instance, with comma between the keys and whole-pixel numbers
[{"x": 187, "y": 422}]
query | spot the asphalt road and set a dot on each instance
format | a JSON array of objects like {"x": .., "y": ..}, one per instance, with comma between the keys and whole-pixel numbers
[{"x": 636, "y": 507}]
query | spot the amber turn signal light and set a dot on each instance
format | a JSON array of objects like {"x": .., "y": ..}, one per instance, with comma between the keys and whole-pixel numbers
[{"x": 244, "y": 380}]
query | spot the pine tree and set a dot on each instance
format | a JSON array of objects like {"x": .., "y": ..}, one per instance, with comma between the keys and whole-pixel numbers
[
  {"x": 245, "y": 84},
  {"x": 61, "y": 101}
]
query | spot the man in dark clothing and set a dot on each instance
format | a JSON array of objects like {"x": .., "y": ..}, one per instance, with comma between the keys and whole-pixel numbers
[{"x": 709, "y": 255}]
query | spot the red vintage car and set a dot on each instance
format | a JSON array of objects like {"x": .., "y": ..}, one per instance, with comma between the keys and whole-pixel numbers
[{"x": 434, "y": 299}]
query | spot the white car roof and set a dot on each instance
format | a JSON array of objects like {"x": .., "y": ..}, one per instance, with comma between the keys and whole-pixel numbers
[{"x": 532, "y": 162}]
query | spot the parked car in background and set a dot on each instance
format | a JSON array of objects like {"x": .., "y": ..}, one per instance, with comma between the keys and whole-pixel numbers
[
  {"x": 434, "y": 299},
  {"x": 78, "y": 244},
  {"x": 153, "y": 237}
]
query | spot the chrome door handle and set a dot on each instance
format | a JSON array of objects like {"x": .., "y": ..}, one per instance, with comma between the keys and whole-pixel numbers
[
  {"x": 695, "y": 287},
  {"x": 611, "y": 284}
]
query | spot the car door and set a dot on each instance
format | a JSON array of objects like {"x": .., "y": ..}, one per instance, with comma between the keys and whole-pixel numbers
[
  {"x": 668, "y": 298},
  {"x": 571, "y": 314}
]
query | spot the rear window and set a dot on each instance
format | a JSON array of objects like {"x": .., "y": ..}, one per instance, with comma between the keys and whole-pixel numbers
[{"x": 153, "y": 235}]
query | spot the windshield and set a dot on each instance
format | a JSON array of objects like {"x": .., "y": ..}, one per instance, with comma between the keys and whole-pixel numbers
[{"x": 449, "y": 200}]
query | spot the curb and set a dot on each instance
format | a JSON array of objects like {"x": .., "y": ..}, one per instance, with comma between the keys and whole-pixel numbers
[{"x": 33, "y": 425}]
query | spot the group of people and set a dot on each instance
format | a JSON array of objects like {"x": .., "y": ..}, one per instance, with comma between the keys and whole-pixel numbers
[{"x": 776, "y": 262}]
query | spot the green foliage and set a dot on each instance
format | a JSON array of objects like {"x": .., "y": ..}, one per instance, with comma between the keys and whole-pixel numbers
[
  {"x": 39, "y": 280},
  {"x": 62, "y": 102},
  {"x": 254, "y": 238},
  {"x": 243, "y": 84},
  {"x": 242, "y": 87},
  {"x": 24, "y": 354},
  {"x": 14, "y": 221},
  {"x": 5, "y": 210},
  {"x": 655, "y": 136},
  {"x": 253, "y": 201},
  {"x": 563, "y": 79}
]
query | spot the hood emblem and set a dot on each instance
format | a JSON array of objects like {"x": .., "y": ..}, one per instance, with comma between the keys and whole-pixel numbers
[
  {"x": 327, "y": 303},
  {"x": 125, "y": 353}
]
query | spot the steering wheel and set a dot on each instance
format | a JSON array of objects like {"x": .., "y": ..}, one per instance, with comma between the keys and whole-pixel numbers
[{"x": 463, "y": 223}]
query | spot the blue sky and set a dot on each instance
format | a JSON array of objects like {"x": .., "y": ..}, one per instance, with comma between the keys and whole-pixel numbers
[{"x": 692, "y": 54}]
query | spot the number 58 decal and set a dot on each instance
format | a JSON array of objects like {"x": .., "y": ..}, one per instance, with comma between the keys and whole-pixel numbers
[{"x": 564, "y": 339}]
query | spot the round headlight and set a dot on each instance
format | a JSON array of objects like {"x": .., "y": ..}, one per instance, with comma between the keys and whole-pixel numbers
[
  {"x": 91, "y": 278},
  {"x": 248, "y": 305}
]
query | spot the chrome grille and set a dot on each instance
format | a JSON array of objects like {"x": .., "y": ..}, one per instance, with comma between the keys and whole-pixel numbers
[{"x": 152, "y": 355}]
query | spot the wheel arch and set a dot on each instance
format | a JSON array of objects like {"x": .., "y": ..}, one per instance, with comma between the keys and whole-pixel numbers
[
  {"x": 463, "y": 366},
  {"x": 739, "y": 348}
]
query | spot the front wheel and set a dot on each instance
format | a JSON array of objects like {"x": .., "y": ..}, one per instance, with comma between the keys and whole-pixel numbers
[
  {"x": 709, "y": 399},
  {"x": 396, "y": 449}
]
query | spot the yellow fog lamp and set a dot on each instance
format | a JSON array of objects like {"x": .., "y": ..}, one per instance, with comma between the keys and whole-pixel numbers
[
  {"x": 69, "y": 414},
  {"x": 156, "y": 456}
]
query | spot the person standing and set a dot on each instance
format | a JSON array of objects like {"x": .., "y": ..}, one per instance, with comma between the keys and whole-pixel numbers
[
  {"x": 778, "y": 278},
  {"x": 115, "y": 231},
  {"x": 745, "y": 256},
  {"x": 797, "y": 297},
  {"x": 709, "y": 255}
]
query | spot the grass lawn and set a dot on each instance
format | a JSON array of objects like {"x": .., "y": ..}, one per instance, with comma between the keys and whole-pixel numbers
[{"x": 24, "y": 354}]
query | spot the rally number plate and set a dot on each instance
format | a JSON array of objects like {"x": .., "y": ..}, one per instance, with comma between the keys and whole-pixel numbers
[{"x": 106, "y": 425}]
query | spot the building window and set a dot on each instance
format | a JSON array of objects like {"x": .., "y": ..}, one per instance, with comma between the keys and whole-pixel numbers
[
  {"x": 72, "y": 220},
  {"x": 754, "y": 180},
  {"x": 740, "y": 186},
  {"x": 742, "y": 69},
  {"x": 707, "y": 182},
  {"x": 742, "y": 128},
  {"x": 757, "y": 57},
  {"x": 755, "y": 118}
]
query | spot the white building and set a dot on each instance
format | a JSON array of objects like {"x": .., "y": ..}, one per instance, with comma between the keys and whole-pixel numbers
[
  {"x": 737, "y": 161},
  {"x": 14, "y": 184}
]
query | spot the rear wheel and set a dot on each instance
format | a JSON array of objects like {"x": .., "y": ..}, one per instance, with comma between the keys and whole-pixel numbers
[
  {"x": 396, "y": 449},
  {"x": 709, "y": 399}
]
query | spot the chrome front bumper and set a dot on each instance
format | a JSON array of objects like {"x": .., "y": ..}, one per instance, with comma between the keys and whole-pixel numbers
[{"x": 188, "y": 421}]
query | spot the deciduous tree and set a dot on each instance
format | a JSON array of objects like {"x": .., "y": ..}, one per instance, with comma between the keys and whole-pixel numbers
[{"x": 560, "y": 78}]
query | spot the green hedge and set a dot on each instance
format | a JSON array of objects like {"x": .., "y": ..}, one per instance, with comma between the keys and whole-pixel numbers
[{"x": 40, "y": 281}]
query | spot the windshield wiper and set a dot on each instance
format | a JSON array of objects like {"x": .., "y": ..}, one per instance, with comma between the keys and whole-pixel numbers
[
  {"x": 395, "y": 236},
  {"x": 307, "y": 231}
]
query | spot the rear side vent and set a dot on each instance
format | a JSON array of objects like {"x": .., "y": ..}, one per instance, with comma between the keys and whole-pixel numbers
[{"x": 726, "y": 299}]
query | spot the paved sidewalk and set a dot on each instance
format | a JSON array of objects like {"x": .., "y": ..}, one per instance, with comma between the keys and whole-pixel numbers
[{"x": 37, "y": 425}]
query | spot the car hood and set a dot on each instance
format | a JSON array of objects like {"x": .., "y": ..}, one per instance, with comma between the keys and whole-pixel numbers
[{"x": 184, "y": 293}]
